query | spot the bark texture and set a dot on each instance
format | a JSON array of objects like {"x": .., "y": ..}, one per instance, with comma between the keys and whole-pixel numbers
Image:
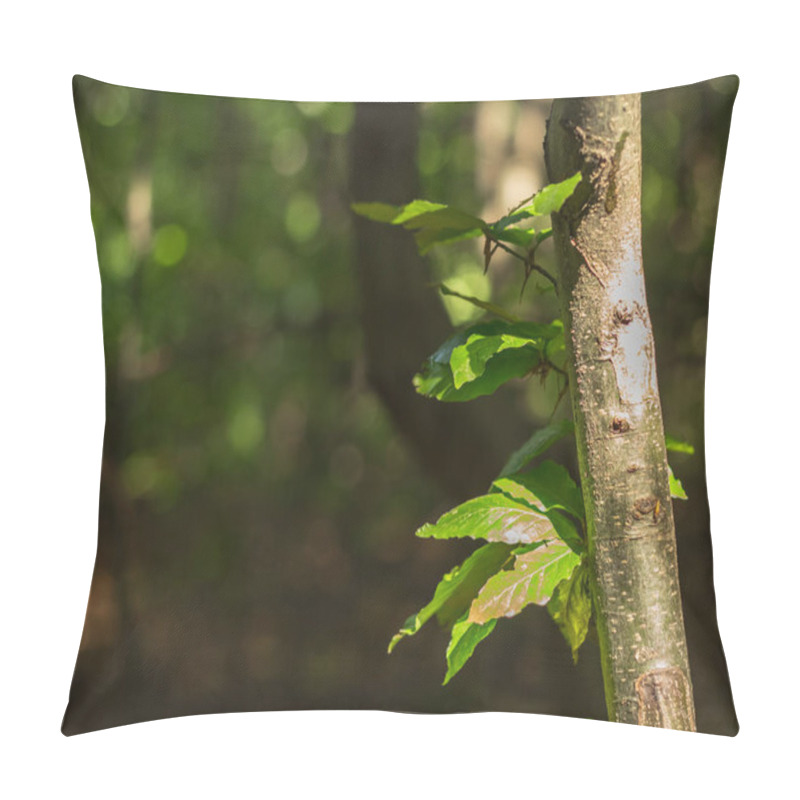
[{"x": 618, "y": 421}]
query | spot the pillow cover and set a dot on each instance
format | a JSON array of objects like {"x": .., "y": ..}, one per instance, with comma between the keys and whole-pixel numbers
[{"x": 304, "y": 367}]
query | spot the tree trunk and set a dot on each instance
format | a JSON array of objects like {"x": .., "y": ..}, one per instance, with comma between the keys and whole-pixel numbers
[{"x": 617, "y": 411}]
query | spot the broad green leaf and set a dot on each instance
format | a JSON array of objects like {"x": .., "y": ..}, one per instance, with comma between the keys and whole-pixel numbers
[
  {"x": 541, "y": 441},
  {"x": 677, "y": 446},
  {"x": 396, "y": 215},
  {"x": 443, "y": 225},
  {"x": 571, "y": 607},
  {"x": 552, "y": 197},
  {"x": 676, "y": 487},
  {"x": 434, "y": 223},
  {"x": 456, "y": 590},
  {"x": 445, "y": 218},
  {"x": 493, "y": 517},
  {"x": 468, "y": 361},
  {"x": 547, "y": 486},
  {"x": 566, "y": 530},
  {"x": 465, "y": 637},
  {"x": 435, "y": 378},
  {"x": 532, "y": 579},
  {"x": 483, "y": 304}
]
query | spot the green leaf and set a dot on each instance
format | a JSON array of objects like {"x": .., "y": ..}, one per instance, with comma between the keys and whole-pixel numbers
[
  {"x": 445, "y": 218},
  {"x": 436, "y": 380},
  {"x": 396, "y": 215},
  {"x": 435, "y": 223},
  {"x": 465, "y": 637},
  {"x": 493, "y": 517},
  {"x": 532, "y": 579},
  {"x": 550, "y": 199},
  {"x": 541, "y": 441},
  {"x": 547, "y": 486},
  {"x": 677, "y": 446},
  {"x": 571, "y": 607},
  {"x": 456, "y": 590},
  {"x": 468, "y": 361},
  {"x": 676, "y": 487}
]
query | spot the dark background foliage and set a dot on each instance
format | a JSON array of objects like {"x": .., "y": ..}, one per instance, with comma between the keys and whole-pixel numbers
[{"x": 266, "y": 460}]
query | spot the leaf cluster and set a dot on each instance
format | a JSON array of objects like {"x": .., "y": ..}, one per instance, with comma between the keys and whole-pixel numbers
[{"x": 531, "y": 521}]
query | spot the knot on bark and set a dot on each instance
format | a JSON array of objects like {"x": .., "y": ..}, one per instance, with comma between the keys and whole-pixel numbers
[
  {"x": 645, "y": 506},
  {"x": 623, "y": 314},
  {"x": 620, "y": 425}
]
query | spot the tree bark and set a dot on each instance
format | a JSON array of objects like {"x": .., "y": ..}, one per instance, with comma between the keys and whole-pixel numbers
[{"x": 617, "y": 411}]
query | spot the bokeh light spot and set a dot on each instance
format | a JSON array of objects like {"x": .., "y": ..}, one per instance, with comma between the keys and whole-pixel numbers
[
  {"x": 289, "y": 151},
  {"x": 302, "y": 217},
  {"x": 110, "y": 105},
  {"x": 245, "y": 428},
  {"x": 169, "y": 245}
]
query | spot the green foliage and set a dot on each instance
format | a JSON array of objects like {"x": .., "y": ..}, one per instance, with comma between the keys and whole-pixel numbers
[
  {"x": 677, "y": 446},
  {"x": 676, "y": 489},
  {"x": 434, "y": 223},
  {"x": 494, "y": 517},
  {"x": 456, "y": 590},
  {"x": 533, "y": 578},
  {"x": 547, "y": 486},
  {"x": 571, "y": 607},
  {"x": 479, "y": 359},
  {"x": 530, "y": 519},
  {"x": 437, "y": 223},
  {"x": 465, "y": 637}
]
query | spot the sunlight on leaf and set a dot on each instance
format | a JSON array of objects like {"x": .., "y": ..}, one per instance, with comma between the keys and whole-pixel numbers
[{"x": 465, "y": 637}]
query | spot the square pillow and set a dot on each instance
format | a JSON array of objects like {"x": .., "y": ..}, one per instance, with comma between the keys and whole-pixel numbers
[{"x": 329, "y": 326}]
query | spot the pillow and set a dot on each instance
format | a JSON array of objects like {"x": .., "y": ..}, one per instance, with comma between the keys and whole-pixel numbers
[{"x": 329, "y": 326}]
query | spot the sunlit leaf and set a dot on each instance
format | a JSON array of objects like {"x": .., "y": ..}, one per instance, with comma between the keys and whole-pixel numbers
[
  {"x": 532, "y": 579},
  {"x": 434, "y": 223},
  {"x": 571, "y": 607},
  {"x": 464, "y": 638},
  {"x": 436, "y": 378},
  {"x": 445, "y": 218},
  {"x": 494, "y": 517},
  {"x": 677, "y": 446},
  {"x": 396, "y": 215},
  {"x": 456, "y": 590},
  {"x": 468, "y": 361},
  {"x": 676, "y": 489},
  {"x": 552, "y": 197},
  {"x": 547, "y": 486}
]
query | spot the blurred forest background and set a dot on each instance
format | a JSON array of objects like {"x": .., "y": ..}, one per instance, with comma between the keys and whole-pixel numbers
[{"x": 266, "y": 459}]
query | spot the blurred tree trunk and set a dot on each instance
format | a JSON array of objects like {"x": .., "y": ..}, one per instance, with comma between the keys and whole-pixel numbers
[
  {"x": 462, "y": 446},
  {"x": 617, "y": 412}
]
